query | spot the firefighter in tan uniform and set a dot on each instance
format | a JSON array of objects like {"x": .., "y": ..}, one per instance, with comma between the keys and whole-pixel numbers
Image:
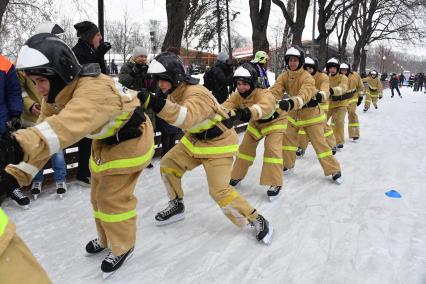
[
  {"x": 17, "y": 263},
  {"x": 374, "y": 90},
  {"x": 303, "y": 111},
  {"x": 339, "y": 100},
  {"x": 355, "y": 87},
  {"x": 322, "y": 85},
  {"x": 258, "y": 107},
  {"x": 209, "y": 140},
  {"x": 82, "y": 102}
]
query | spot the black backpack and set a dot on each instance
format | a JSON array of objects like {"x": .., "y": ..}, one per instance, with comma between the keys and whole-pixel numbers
[{"x": 209, "y": 80}]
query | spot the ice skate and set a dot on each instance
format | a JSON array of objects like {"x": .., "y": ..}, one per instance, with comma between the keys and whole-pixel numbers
[
  {"x": 174, "y": 212},
  {"x": 273, "y": 192},
  {"x": 264, "y": 231},
  {"x": 113, "y": 262}
]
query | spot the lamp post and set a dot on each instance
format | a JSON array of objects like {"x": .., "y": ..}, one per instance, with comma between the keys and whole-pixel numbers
[
  {"x": 383, "y": 63},
  {"x": 152, "y": 39},
  {"x": 328, "y": 27}
]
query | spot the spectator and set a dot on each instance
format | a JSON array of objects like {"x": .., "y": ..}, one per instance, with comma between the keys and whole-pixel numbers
[
  {"x": 89, "y": 49},
  {"x": 401, "y": 79},
  {"x": 393, "y": 84},
  {"x": 218, "y": 78},
  {"x": 260, "y": 60},
  {"x": 114, "y": 69},
  {"x": 421, "y": 81}
]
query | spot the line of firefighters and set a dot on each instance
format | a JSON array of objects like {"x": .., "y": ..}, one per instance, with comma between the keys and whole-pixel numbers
[{"x": 287, "y": 115}]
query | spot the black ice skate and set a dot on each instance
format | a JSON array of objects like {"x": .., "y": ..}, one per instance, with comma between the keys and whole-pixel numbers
[
  {"x": 94, "y": 247},
  {"x": 173, "y": 213},
  {"x": 337, "y": 177},
  {"x": 113, "y": 262},
  {"x": 273, "y": 192},
  {"x": 365, "y": 110},
  {"x": 263, "y": 230},
  {"x": 234, "y": 182},
  {"x": 300, "y": 152},
  {"x": 334, "y": 150},
  {"x": 61, "y": 188},
  {"x": 20, "y": 199},
  {"x": 288, "y": 172},
  {"x": 355, "y": 139},
  {"x": 36, "y": 189}
]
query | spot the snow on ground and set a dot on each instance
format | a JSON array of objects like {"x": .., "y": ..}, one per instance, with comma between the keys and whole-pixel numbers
[{"x": 324, "y": 233}]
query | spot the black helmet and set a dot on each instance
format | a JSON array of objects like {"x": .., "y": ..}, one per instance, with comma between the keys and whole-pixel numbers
[
  {"x": 332, "y": 62},
  {"x": 47, "y": 55},
  {"x": 246, "y": 73},
  {"x": 312, "y": 63},
  {"x": 297, "y": 52},
  {"x": 168, "y": 66}
]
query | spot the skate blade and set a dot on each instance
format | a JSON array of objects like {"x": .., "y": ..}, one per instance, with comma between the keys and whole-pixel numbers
[
  {"x": 35, "y": 196},
  {"x": 171, "y": 220},
  {"x": 289, "y": 172},
  {"x": 61, "y": 196},
  {"x": 267, "y": 240},
  {"x": 105, "y": 251},
  {"x": 355, "y": 141},
  {"x": 105, "y": 275},
  {"x": 25, "y": 207},
  {"x": 273, "y": 198},
  {"x": 339, "y": 180}
]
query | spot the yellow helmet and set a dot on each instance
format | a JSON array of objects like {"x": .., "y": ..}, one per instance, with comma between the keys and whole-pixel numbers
[{"x": 261, "y": 57}]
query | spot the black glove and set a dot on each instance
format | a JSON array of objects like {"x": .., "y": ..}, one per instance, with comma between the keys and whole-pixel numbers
[
  {"x": 331, "y": 91},
  {"x": 149, "y": 100},
  {"x": 10, "y": 151},
  {"x": 15, "y": 123},
  {"x": 130, "y": 130},
  {"x": 318, "y": 97},
  {"x": 360, "y": 98},
  {"x": 243, "y": 114},
  {"x": 104, "y": 47},
  {"x": 7, "y": 182},
  {"x": 286, "y": 104}
]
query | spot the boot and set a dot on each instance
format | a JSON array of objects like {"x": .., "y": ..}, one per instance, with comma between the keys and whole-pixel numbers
[
  {"x": 93, "y": 247},
  {"x": 113, "y": 262},
  {"x": 61, "y": 188},
  {"x": 36, "y": 189},
  {"x": 173, "y": 213},
  {"x": 20, "y": 199},
  {"x": 273, "y": 192},
  {"x": 263, "y": 230}
]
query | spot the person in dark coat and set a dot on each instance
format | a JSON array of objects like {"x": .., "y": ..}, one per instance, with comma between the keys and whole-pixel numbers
[
  {"x": 89, "y": 49},
  {"x": 219, "y": 78},
  {"x": 393, "y": 84},
  {"x": 401, "y": 79}
]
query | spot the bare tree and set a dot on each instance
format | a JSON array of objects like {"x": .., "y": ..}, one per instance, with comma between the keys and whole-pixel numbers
[
  {"x": 177, "y": 12},
  {"x": 259, "y": 23},
  {"x": 119, "y": 34}
]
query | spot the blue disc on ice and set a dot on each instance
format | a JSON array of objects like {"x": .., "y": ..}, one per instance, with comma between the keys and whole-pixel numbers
[{"x": 393, "y": 194}]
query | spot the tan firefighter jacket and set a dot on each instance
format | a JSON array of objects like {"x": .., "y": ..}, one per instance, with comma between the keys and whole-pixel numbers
[
  {"x": 94, "y": 107},
  {"x": 30, "y": 96},
  {"x": 263, "y": 106},
  {"x": 355, "y": 85},
  {"x": 374, "y": 86},
  {"x": 322, "y": 85},
  {"x": 194, "y": 109},
  {"x": 7, "y": 231},
  {"x": 300, "y": 87},
  {"x": 339, "y": 84}
]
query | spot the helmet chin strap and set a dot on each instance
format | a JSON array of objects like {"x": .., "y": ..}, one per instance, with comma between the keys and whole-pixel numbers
[{"x": 56, "y": 85}]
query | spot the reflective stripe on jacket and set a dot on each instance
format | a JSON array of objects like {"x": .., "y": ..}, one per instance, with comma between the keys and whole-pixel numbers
[{"x": 7, "y": 231}]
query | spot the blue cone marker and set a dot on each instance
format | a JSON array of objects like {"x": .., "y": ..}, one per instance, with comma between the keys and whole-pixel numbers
[{"x": 393, "y": 194}]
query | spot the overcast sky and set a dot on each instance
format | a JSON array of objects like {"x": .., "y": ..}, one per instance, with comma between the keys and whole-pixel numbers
[{"x": 142, "y": 11}]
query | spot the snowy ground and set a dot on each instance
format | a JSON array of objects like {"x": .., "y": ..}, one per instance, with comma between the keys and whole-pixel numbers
[{"x": 324, "y": 233}]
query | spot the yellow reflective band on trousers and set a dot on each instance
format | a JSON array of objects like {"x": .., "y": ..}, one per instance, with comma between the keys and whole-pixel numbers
[
  {"x": 208, "y": 150},
  {"x": 373, "y": 95},
  {"x": 268, "y": 129},
  {"x": 122, "y": 163},
  {"x": 111, "y": 128},
  {"x": 227, "y": 200},
  {"x": 301, "y": 123},
  {"x": 206, "y": 124},
  {"x": 170, "y": 171},
  {"x": 353, "y": 124},
  {"x": 254, "y": 131},
  {"x": 328, "y": 133},
  {"x": 290, "y": 148},
  {"x": 269, "y": 160},
  {"x": 245, "y": 157},
  {"x": 325, "y": 154},
  {"x": 301, "y": 132},
  {"x": 4, "y": 220},
  {"x": 114, "y": 218}
]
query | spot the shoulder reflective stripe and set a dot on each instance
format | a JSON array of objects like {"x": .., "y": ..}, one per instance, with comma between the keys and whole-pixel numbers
[
  {"x": 110, "y": 128},
  {"x": 50, "y": 136},
  {"x": 171, "y": 171},
  {"x": 325, "y": 154},
  {"x": 328, "y": 133},
  {"x": 208, "y": 150},
  {"x": 290, "y": 148},
  {"x": 181, "y": 116},
  {"x": 27, "y": 168},
  {"x": 307, "y": 121},
  {"x": 259, "y": 110},
  {"x": 24, "y": 94},
  {"x": 245, "y": 157},
  {"x": 254, "y": 131},
  {"x": 269, "y": 160},
  {"x": 302, "y": 132},
  {"x": 353, "y": 124},
  {"x": 114, "y": 218},
  {"x": 4, "y": 220},
  {"x": 206, "y": 124},
  {"x": 268, "y": 129},
  {"x": 228, "y": 199},
  {"x": 123, "y": 163}
]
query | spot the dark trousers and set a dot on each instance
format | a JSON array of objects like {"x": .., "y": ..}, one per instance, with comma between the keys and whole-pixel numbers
[
  {"x": 84, "y": 150},
  {"x": 167, "y": 142},
  {"x": 397, "y": 89}
]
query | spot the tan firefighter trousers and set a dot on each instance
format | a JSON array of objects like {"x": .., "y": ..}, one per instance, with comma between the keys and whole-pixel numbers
[
  {"x": 218, "y": 170},
  {"x": 370, "y": 98},
  {"x": 353, "y": 124},
  {"x": 338, "y": 123},
  {"x": 328, "y": 134}
]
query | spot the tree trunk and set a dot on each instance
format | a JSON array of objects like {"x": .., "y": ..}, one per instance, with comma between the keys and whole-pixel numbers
[
  {"x": 259, "y": 22},
  {"x": 363, "y": 61},
  {"x": 297, "y": 29},
  {"x": 3, "y": 5},
  {"x": 177, "y": 11},
  {"x": 286, "y": 42},
  {"x": 348, "y": 25},
  {"x": 322, "y": 54}
]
